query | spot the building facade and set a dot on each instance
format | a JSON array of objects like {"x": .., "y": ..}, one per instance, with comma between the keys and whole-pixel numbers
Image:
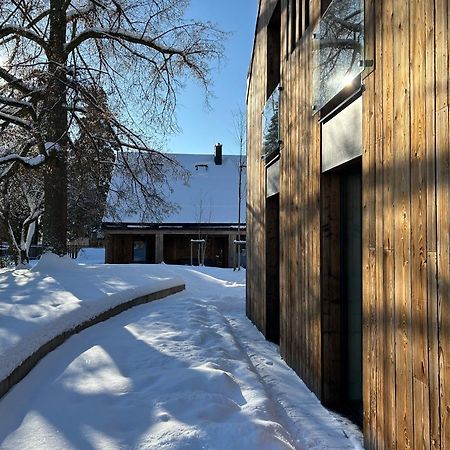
[
  {"x": 348, "y": 221},
  {"x": 205, "y": 227}
]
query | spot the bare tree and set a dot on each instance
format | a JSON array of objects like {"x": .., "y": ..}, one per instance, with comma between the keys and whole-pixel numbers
[
  {"x": 54, "y": 51},
  {"x": 240, "y": 128},
  {"x": 21, "y": 207}
]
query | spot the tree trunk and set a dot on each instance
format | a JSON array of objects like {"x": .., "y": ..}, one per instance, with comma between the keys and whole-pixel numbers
[{"x": 55, "y": 129}]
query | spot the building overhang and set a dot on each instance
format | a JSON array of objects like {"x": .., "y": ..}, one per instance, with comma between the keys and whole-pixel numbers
[{"x": 170, "y": 227}]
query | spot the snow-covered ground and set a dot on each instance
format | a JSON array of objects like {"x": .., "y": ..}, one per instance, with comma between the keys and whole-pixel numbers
[
  {"x": 57, "y": 294},
  {"x": 186, "y": 372}
]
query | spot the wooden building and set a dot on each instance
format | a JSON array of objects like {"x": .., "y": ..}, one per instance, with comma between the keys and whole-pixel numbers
[
  {"x": 348, "y": 219},
  {"x": 203, "y": 228}
]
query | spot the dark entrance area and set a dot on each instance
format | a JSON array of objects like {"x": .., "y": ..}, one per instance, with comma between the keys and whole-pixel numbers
[
  {"x": 352, "y": 291},
  {"x": 273, "y": 268},
  {"x": 341, "y": 273},
  {"x": 144, "y": 249},
  {"x": 177, "y": 249}
]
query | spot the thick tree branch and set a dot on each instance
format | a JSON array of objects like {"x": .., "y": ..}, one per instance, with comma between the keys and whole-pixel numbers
[
  {"x": 27, "y": 161},
  {"x": 9, "y": 118},
  {"x": 135, "y": 38},
  {"x": 9, "y": 29},
  {"x": 14, "y": 82}
]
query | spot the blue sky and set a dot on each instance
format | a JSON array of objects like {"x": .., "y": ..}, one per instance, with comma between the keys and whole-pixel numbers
[{"x": 201, "y": 128}]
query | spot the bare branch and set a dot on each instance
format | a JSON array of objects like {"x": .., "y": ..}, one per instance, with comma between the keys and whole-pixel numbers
[
  {"x": 9, "y": 29},
  {"x": 136, "y": 38},
  {"x": 9, "y": 118}
]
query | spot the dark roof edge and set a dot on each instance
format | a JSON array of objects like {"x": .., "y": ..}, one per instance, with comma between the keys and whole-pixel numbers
[{"x": 167, "y": 226}]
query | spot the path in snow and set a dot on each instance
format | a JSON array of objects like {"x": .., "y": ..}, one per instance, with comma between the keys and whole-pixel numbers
[{"x": 186, "y": 372}]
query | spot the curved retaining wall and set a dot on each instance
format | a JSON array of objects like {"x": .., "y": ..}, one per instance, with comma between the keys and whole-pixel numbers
[{"x": 22, "y": 370}]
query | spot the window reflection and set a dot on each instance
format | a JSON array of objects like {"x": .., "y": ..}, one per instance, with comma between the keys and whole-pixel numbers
[
  {"x": 270, "y": 124},
  {"x": 338, "y": 49}
]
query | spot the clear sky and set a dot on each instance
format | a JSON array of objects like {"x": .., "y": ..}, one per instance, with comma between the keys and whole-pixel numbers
[{"x": 201, "y": 128}]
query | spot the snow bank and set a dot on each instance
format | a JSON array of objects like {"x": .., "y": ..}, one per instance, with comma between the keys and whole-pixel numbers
[{"x": 58, "y": 294}]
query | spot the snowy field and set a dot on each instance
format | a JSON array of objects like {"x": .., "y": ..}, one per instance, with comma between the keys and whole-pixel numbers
[{"x": 185, "y": 372}]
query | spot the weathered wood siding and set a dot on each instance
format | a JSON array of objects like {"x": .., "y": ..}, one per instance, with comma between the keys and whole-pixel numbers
[
  {"x": 406, "y": 219},
  {"x": 300, "y": 307},
  {"x": 406, "y": 236}
]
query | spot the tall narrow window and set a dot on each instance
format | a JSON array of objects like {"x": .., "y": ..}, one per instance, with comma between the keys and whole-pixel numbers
[
  {"x": 273, "y": 50},
  {"x": 293, "y": 23},
  {"x": 306, "y": 14}
]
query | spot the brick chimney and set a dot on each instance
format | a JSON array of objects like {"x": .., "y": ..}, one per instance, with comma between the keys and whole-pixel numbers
[{"x": 218, "y": 154}]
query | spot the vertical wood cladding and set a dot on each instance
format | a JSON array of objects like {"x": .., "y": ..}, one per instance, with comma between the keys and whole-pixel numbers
[
  {"x": 299, "y": 256},
  {"x": 406, "y": 219},
  {"x": 406, "y": 246}
]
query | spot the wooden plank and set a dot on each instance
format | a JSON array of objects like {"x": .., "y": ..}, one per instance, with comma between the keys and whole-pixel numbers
[
  {"x": 380, "y": 356},
  {"x": 368, "y": 245},
  {"x": 402, "y": 220},
  {"x": 442, "y": 201},
  {"x": 419, "y": 289},
  {"x": 442, "y": 53},
  {"x": 301, "y": 305},
  {"x": 386, "y": 68},
  {"x": 430, "y": 130},
  {"x": 369, "y": 37},
  {"x": 297, "y": 328},
  {"x": 314, "y": 137},
  {"x": 308, "y": 161},
  {"x": 285, "y": 344}
]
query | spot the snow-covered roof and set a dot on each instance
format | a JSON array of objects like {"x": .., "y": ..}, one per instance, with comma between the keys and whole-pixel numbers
[{"x": 210, "y": 195}]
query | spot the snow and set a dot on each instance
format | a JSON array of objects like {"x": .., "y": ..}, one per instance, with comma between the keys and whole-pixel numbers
[
  {"x": 52, "y": 147},
  {"x": 186, "y": 372},
  {"x": 33, "y": 161},
  {"x": 91, "y": 255},
  {"x": 57, "y": 294},
  {"x": 210, "y": 196}
]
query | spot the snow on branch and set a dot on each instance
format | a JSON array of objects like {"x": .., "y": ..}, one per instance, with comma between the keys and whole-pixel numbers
[
  {"x": 14, "y": 82},
  {"x": 11, "y": 29},
  {"x": 135, "y": 38},
  {"x": 9, "y": 118},
  {"x": 77, "y": 13},
  {"x": 30, "y": 161},
  {"x": 15, "y": 102}
]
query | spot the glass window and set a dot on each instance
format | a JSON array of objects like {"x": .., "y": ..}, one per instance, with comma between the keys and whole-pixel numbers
[
  {"x": 270, "y": 124},
  {"x": 338, "y": 49}
]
